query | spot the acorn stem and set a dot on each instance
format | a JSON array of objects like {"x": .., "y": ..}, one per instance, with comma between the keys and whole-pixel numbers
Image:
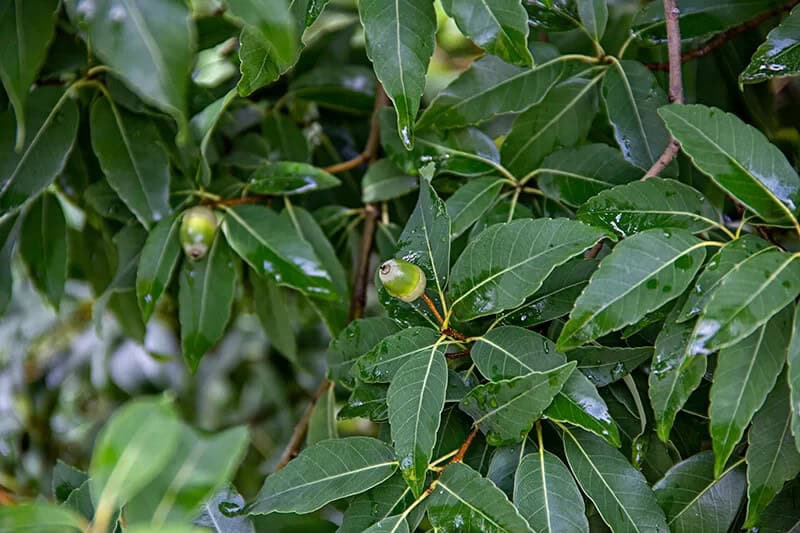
[{"x": 433, "y": 309}]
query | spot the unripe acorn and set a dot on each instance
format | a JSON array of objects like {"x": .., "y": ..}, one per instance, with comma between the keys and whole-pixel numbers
[
  {"x": 198, "y": 228},
  {"x": 402, "y": 279}
]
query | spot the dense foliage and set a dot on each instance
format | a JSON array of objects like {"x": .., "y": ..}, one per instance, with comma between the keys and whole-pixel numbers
[{"x": 577, "y": 327}]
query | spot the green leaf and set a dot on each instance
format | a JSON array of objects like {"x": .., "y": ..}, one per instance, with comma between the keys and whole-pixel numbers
[
  {"x": 772, "y": 458},
  {"x": 618, "y": 490},
  {"x": 793, "y": 361},
  {"x": 327, "y": 471},
  {"x": 675, "y": 373},
  {"x": 8, "y": 239},
  {"x": 51, "y": 125},
  {"x": 219, "y": 513},
  {"x": 779, "y": 55},
  {"x": 738, "y": 158},
  {"x": 699, "y": 18},
  {"x": 415, "y": 399},
  {"x": 201, "y": 465},
  {"x": 47, "y": 518},
  {"x": 400, "y": 39},
  {"x": 269, "y": 43},
  {"x": 640, "y": 275},
  {"x": 150, "y": 48},
  {"x": 43, "y": 246},
  {"x": 392, "y": 524},
  {"x": 287, "y": 178},
  {"x": 157, "y": 263},
  {"x": 632, "y": 97},
  {"x": 499, "y": 27},
  {"x": 80, "y": 500},
  {"x": 389, "y": 498},
  {"x": 489, "y": 87},
  {"x": 561, "y": 119},
  {"x": 205, "y": 297},
  {"x": 746, "y": 299},
  {"x": 463, "y": 500},
  {"x": 367, "y": 401},
  {"x": 508, "y": 262},
  {"x": 653, "y": 203},
  {"x": 725, "y": 262},
  {"x": 286, "y": 141},
  {"x": 66, "y": 479},
  {"x": 471, "y": 201},
  {"x": 381, "y": 363},
  {"x": 272, "y": 308},
  {"x": 508, "y": 352},
  {"x": 546, "y": 495},
  {"x": 574, "y": 175},
  {"x": 383, "y": 181},
  {"x": 694, "y": 501},
  {"x": 506, "y": 410},
  {"x": 272, "y": 247},
  {"x": 604, "y": 365},
  {"x": 26, "y": 29},
  {"x": 135, "y": 164},
  {"x": 203, "y": 125},
  {"x": 745, "y": 374},
  {"x": 322, "y": 424},
  {"x": 346, "y": 88},
  {"x": 134, "y": 447},
  {"x": 594, "y": 16},
  {"x": 504, "y": 464},
  {"x": 354, "y": 341},
  {"x": 782, "y": 514}
]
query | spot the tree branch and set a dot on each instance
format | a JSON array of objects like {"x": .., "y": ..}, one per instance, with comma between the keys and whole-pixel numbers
[
  {"x": 373, "y": 141},
  {"x": 727, "y": 35},
  {"x": 671, "y": 16}
]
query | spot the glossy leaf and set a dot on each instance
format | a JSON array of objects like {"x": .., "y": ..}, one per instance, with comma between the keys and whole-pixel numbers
[
  {"x": 604, "y": 365},
  {"x": 772, "y": 458},
  {"x": 500, "y": 27},
  {"x": 43, "y": 246},
  {"x": 594, "y": 16},
  {"x": 288, "y": 178},
  {"x": 508, "y": 262},
  {"x": 203, "y": 125},
  {"x": 746, "y": 299},
  {"x": 205, "y": 298},
  {"x": 675, "y": 372},
  {"x": 574, "y": 175},
  {"x": 150, "y": 48},
  {"x": 463, "y": 500},
  {"x": 642, "y": 273},
  {"x": 415, "y": 399},
  {"x": 546, "y": 495},
  {"x": 643, "y": 205},
  {"x": 632, "y": 96},
  {"x": 51, "y": 124},
  {"x": 471, "y": 201},
  {"x": 199, "y": 467},
  {"x": 157, "y": 263},
  {"x": 738, "y": 158},
  {"x": 66, "y": 479},
  {"x": 425, "y": 240},
  {"x": 506, "y": 410},
  {"x": 271, "y": 246},
  {"x": 381, "y": 363},
  {"x": 779, "y": 55},
  {"x": 782, "y": 514},
  {"x": 367, "y": 400},
  {"x": 488, "y": 88},
  {"x": 135, "y": 164},
  {"x": 347, "y": 88},
  {"x": 383, "y": 181},
  {"x": 358, "y": 338},
  {"x": 723, "y": 264},
  {"x": 561, "y": 119},
  {"x": 694, "y": 500},
  {"x": 274, "y": 313},
  {"x": 793, "y": 365},
  {"x": 133, "y": 448},
  {"x": 26, "y": 29},
  {"x": 618, "y": 490},
  {"x": 328, "y": 471},
  {"x": 285, "y": 140},
  {"x": 400, "y": 38},
  {"x": 372, "y": 507},
  {"x": 580, "y": 404},
  {"x": 322, "y": 424},
  {"x": 745, "y": 374}
]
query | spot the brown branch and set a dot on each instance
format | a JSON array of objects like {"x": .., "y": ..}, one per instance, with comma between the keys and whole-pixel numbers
[
  {"x": 592, "y": 253},
  {"x": 359, "y": 297},
  {"x": 457, "y": 355},
  {"x": 727, "y": 35},
  {"x": 373, "y": 141},
  {"x": 300, "y": 430},
  {"x": 433, "y": 309},
  {"x": 255, "y": 199},
  {"x": 671, "y": 16},
  {"x": 462, "y": 450},
  {"x": 6, "y": 497}
]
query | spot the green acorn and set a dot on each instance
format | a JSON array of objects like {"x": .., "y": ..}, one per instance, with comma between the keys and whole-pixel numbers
[
  {"x": 402, "y": 279},
  {"x": 198, "y": 228}
]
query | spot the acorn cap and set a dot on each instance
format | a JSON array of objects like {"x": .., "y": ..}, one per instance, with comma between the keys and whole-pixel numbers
[
  {"x": 198, "y": 229},
  {"x": 402, "y": 279}
]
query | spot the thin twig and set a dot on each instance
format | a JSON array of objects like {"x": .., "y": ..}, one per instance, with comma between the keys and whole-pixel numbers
[
  {"x": 359, "y": 297},
  {"x": 592, "y": 253},
  {"x": 255, "y": 199},
  {"x": 462, "y": 451},
  {"x": 457, "y": 355},
  {"x": 671, "y": 16},
  {"x": 300, "y": 430},
  {"x": 373, "y": 141},
  {"x": 722, "y": 38},
  {"x": 432, "y": 307}
]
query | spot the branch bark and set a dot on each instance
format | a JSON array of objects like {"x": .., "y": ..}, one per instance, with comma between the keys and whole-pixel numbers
[{"x": 671, "y": 16}]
